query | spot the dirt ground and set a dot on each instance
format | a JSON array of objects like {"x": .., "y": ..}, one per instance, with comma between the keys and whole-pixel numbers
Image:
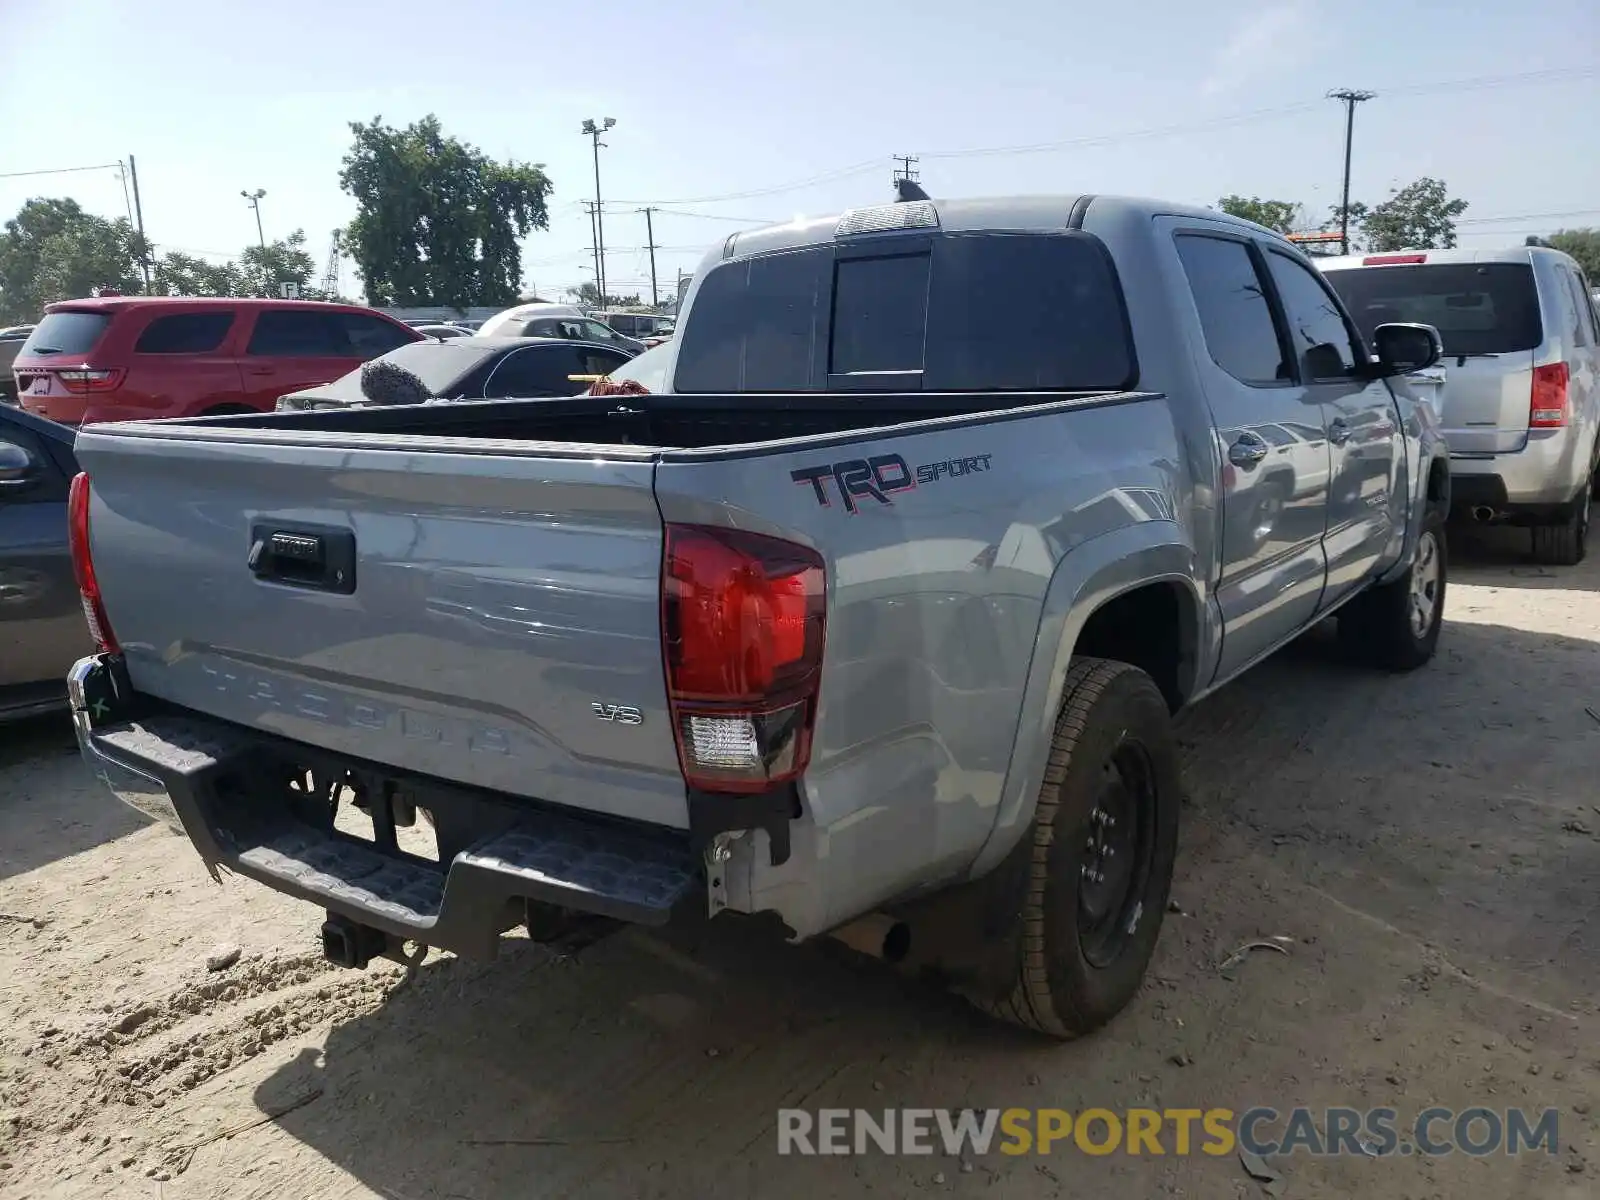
[{"x": 1430, "y": 843}]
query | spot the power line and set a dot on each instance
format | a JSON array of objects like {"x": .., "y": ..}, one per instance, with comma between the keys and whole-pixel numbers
[
  {"x": 1545, "y": 216},
  {"x": 1552, "y": 75},
  {"x": 826, "y": 177},
  {"x": 59, "y": 170}
]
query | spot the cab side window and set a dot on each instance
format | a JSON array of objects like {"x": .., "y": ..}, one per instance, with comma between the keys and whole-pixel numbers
[
  {"x": 1234, "y": 313},
  {"x": 1319, "y": 337}
]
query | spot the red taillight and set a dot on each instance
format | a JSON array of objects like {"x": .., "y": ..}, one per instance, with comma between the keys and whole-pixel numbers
[
  {"x": 742, "y": 620},
  {"x": 83, "y": 381},
  {"x": 1393, "y": 260},
  {"x": 1548, "y": 405},
  {"x": 94, "y": 609}
]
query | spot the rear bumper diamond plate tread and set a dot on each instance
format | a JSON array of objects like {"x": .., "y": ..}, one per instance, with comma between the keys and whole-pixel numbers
[{"x": 628, "y": 872}]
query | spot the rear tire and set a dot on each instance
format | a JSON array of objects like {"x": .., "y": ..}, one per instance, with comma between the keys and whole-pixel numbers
[
  {"x": 1090, "y": 919},
  {"x": 1566, "y": 544},
  {"x": 1396, "y": 626}
]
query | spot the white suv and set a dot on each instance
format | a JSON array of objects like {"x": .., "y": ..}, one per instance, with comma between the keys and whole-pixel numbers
[{"x": 1519, "y": 382}]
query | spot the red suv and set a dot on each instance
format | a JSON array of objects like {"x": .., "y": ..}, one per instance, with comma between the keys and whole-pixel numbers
[{"x": 127, "y": 357}]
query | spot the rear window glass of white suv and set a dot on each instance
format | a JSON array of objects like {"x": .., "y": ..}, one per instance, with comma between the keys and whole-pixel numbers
[
  {"x": 68, "y": 332},
  {"x": 955, "y": 312},
  {"x": 1478, "y": 308}
]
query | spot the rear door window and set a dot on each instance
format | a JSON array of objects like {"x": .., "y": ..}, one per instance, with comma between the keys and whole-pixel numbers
[
  {"x": 184, "y": 333},
  {"x": 536, "y": 371},
  {"x": 68, "y": 332},
  {"x": 1235, "y": 315},
  {"x": 1478, "y": 308},
  {"x": 285, "y": 333}
]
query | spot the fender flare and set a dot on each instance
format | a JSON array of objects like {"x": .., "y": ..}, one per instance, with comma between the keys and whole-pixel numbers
[{"x": 1085, "y": 579}]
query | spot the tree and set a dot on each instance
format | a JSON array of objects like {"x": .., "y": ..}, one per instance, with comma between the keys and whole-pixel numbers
[
  {"x": 1358, "y": 214},
  {"x": 1419, "y": 216},
  {"x": 260, "y": 271},
  {"x": 438, "y": 221},
  {"x": 1583, "y": 245},
  {"x": 179, "y": 274},
  {"x": 1277, "y": 215},
  {"x": 53, "y": 250},
  {"x": 586, "y": 293},
  {"x": 264, "y": 270}
]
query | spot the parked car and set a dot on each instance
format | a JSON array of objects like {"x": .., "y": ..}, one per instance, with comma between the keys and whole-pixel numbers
[
  {"x": 878, "y": 621},
  {"x": 639, "y": 326},
  {"x": 42, "y": 627},
  {"x": 572, "y": 328},
  {"x": 477, "y": 369},
  {"x": 511, "y": 322},
  {"x": 11, "y": 341},
  {"x": 1519, "y": 387},
  {"x": 117, "y": 359},
  {"x": 443, "y": 332}
]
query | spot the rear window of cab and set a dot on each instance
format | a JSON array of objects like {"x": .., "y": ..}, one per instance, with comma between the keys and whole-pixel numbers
[{"x": 944, "y": 312}]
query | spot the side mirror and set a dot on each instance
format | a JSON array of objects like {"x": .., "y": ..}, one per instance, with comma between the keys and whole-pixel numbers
[
  {"x": 19, "y": 469},
  {"x": 1404, "y": 347}
]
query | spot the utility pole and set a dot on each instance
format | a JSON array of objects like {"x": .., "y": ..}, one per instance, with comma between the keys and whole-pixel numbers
[
  {"x": 1349, "y": 98},
  {"x": 904, "y": 171},
  {"x": 594, "y": 245},
  {"x": 593, "y": 131},
  {"x": 254, "y": 200},
  {"x": 650, "y": 236},
  {"x": 138, "y": 211}
]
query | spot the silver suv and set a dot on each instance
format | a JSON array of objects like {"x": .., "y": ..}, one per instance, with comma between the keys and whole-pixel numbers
[{"x": 1519, "y": 384}]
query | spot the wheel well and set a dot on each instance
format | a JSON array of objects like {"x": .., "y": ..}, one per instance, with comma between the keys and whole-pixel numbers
[{"x": 1150, "y": 628}]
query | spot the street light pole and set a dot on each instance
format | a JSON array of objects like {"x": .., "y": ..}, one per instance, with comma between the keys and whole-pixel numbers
[
  {"x": 254, "y": 200},
  {"x": 1350, "y": 99},
  {"x": 593, "y": 131}
]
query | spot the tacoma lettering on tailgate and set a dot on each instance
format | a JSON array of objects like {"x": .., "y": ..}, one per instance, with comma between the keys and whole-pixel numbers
[{"x": 880, "y": 477}]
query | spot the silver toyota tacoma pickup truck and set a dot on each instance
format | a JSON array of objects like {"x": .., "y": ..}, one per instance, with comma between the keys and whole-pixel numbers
[{"x": 874, "y": 625}]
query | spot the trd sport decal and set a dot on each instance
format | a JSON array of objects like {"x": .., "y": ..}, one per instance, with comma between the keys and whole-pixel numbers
[{"x": 880, "y": 477}]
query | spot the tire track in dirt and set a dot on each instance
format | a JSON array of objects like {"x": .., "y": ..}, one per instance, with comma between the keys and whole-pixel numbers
[{"x": 171, "y": 1046}]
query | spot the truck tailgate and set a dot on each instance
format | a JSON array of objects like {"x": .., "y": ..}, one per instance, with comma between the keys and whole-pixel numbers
[{"x": 542, "y": 679}]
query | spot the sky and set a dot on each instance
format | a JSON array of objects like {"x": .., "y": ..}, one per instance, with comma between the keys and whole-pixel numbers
[{"x": 730, "y": 115}]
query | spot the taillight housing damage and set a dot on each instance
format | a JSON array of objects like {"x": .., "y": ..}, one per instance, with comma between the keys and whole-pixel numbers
[
  {"x": 1548, "y": 404},
  {"x": 742, "y": 623},
  {"x": 94, "y": 609}
]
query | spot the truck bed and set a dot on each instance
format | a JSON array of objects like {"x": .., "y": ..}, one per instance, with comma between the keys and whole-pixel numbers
[
  {"x": 635, "y": 425},
  {"x": 490, "y": 573}
]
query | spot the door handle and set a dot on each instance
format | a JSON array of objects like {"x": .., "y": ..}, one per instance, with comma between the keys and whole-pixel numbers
[
  {"x": 1338, "y": 432},
  {"x": 258, "y": 370},
  {"x": 1248, "y": 451}
]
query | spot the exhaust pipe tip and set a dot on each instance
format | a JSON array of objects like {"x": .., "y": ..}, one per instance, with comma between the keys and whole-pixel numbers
[
  {"x": 878, "y": 936},
  {"x": 1482, "y": 513}
]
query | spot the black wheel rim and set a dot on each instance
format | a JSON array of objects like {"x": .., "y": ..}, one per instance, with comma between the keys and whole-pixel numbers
[{"x": 1119, "y": 846}]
